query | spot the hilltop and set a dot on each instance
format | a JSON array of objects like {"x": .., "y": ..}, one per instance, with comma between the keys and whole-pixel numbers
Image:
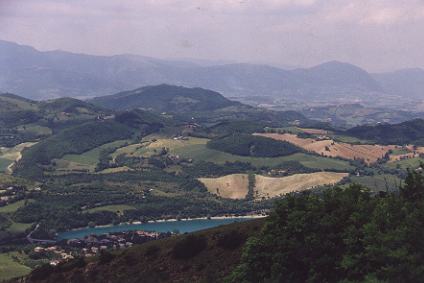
[
  {"x": 409, "y": 132},
  {"x": 166, "y": 98}
]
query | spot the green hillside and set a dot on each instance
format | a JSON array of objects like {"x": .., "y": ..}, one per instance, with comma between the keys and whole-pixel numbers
[
  {"x": 409, "y": 132},
  {"x": 74, "y": 140},
  {"x": 165, "y": 98}
]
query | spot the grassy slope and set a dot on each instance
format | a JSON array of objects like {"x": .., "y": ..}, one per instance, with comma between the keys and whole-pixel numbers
[
  {"x": 9, "y": 268},
  {"x": 378, "y": 182},
  {"x": 196, "y": 149},
  {"x": 111, "y": 208},
  {"x": 201, "y": 152},
  {"x": 4, "y": 163},
  {"x": 91, "y": 157},
  {"x": 142, "y": 264},
  {"x": 411, "y": 163}
]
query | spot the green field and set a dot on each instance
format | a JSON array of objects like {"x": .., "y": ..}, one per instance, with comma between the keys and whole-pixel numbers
[
  {"x": 4, "y": 163},
  {"x": 201, "y": 152},
  {"x": 351, "y": 140},
  {"x": 91, "y": 157},
  {"x": 35, "y": 129},
  {"x": 18, "y": 227},
  {"x": 117, "y": 208},
  {"x": 10, "y": 208},
  {"x": 411, "y": 163},
  {"x": 196, "y": 149},
  {"x": 9, "y": 268},
  {"x": 378, "y": 182}
]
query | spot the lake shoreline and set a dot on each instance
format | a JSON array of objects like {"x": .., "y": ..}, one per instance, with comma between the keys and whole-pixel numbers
[{"x": 251, "y": 216}]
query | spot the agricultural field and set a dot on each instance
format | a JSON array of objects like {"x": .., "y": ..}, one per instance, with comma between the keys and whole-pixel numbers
[
  {"x": 384, "y": 182},
  {"x": 408, "y": 163},
  {"x": 10, "y": 208},
  {"x": 10, "y": 268},
  {"x": 201, "y": 152},
  {"x": 233, "y": 186},
  {"x": 8, "y": 156},
  {"x": 330, "y": 148},
  {"x": 118, "y": 208},
  {"x": 151, "y": 145},
  {"x": 196, "y": 149},
  {"x": 269, "y": 187},
  {"x": 91, "y": 157},
  {"x": 236, "y": 186}
]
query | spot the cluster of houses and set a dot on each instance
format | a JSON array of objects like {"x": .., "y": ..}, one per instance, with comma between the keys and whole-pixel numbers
[
  {"x": 11, "y": 194},
  {"x": 92, "y": 245},
  {"x": 57, "y": 254}
]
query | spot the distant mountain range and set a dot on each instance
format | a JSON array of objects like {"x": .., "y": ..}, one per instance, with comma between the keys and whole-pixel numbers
[{"x": 40, "y": 75}]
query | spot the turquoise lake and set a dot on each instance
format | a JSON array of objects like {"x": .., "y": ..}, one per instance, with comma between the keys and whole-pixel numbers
[{"x": 167, "y": 226}]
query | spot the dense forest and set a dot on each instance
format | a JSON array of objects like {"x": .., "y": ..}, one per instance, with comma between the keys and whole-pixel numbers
[
  {"x": 409, "y": 132},
  {"x": 340, "y": 236},
  {"x": 248, "y": 145}
]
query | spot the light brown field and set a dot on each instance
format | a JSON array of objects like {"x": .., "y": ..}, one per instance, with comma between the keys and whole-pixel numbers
[
  {"x": 233, "y": 186},
  {"x": 236, "y": 186},
  {"x": 268, "y": 187},
  {"x": 330, "y": 148}
]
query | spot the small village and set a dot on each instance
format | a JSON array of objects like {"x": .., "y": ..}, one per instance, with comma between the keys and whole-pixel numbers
[{"x": 93, "y": 245}]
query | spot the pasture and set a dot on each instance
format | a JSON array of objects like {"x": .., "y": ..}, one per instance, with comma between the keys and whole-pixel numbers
[
  {"x": 91, "y": 157},
  {"x": 378, "y": 182},
  {"x": 10, "y": 268},
  {"x": 115, "y": 208}
]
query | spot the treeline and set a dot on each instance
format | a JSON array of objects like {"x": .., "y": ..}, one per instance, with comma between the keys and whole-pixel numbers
[
  {"x": 249, "y": 145},
  {"x": 340, "y": 236}
]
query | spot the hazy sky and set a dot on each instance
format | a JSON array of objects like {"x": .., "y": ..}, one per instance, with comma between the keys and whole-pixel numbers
[{"x": 374, "y": 34}]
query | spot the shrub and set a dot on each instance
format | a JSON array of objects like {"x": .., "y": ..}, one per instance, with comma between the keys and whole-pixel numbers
[
  {"x": 189, "y": 246},
  {"x": 230, "y": 239}
]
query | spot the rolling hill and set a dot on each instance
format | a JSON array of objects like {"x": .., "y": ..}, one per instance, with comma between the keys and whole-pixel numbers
[
  {"x": 165, "y": 98},
  {"x": 404, "y": 133},
  {"x": 22, "y": 119}
]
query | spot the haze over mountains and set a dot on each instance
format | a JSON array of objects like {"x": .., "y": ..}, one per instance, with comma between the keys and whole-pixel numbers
[{"x": 40, "y": 75}]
